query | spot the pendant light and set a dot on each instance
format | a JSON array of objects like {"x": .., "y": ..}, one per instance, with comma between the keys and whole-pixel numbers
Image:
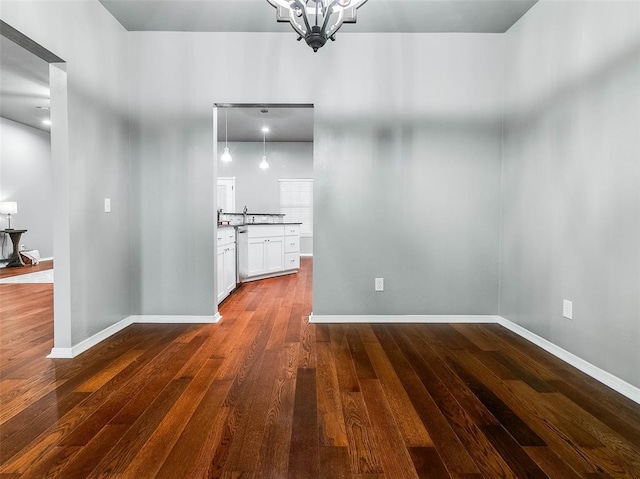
[
  {"x": 226, "y": 156},
  {"x": 264, "y": 164}
]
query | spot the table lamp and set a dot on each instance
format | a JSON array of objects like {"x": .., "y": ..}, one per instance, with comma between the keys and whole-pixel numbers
[{"x": 8, "y": 208}]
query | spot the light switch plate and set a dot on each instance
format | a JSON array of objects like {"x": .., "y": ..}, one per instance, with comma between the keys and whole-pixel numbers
[
  {"x": 379, "y": 284},
  {"x": 567, "y": 309},
  {"x": 107, "y": 205}
]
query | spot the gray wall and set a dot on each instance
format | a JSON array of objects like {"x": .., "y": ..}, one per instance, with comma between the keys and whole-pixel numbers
[
  {"x": 258, "y": 189},
  {"x": 94, "y": 45},
  {"x": 415, "y": 202},
  {"x": 571, "y": 179},
  {"x": 406, "y": 164},
  {"x": 173, "y": 215},
  {"x": 26, "y": 177}
]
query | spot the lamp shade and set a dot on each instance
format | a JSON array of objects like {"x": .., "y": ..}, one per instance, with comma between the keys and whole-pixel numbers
[
  {"x": 226, "y": 156},
  {"x": 8, "y": 207}
]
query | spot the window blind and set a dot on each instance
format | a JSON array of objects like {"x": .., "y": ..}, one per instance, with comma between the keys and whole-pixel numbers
[{"x": 296, "y": 202}]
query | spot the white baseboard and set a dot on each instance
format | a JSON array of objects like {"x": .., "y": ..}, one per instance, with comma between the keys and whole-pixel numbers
[
  {"x": 72, "y": 352},
  {"x": 82, "y": 346},
  {"x": 606, "y": 378},
  {"x": 169, "y": 319},
  {"x": 306, "y": 255},
  {"x": 48, "y": 258},
  {"x": 400, "y": 318},
  {"x": 268, "y": 275},
  {"x": 60, "y": 353}
]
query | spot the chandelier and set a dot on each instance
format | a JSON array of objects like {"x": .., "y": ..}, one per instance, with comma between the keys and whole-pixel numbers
[{"x": 316, "y": 20}]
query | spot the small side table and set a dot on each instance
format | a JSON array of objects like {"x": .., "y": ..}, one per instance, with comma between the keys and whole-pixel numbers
[{"x": 15, "y": 235}]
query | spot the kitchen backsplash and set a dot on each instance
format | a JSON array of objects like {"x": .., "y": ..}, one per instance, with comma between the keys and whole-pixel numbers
[{"x": 238, "y": 218}]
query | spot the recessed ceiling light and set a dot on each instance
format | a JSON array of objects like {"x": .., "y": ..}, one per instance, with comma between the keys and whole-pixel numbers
[
  {"x": 46, "y": 122},
  {"x": 43, "y": 108}
]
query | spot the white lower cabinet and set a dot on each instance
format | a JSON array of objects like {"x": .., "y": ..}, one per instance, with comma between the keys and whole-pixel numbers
[
  {"x": 291, "y": 244},
  {"x": 255, "y": 262},
  {"x": 265, "y": 251},
  {"x": 266, "y": 255},
  {"x": 229, "y": 275},
  {"x": 220, "y": 274},
  {"x": 292, "y": 260},
  {"x": 292, "y": 247},
  {"x": 274, "y": 254},
  {"x": 226, "y": 274}
]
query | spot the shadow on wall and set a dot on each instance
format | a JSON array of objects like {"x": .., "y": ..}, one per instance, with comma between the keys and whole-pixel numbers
[
  {"x": 421, "y": 196},
  {"x": 616, "y": 66}
]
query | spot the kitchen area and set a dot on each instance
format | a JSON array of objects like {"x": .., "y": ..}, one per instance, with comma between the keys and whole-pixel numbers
[
  {"x": 255, "y": 250},
  {"x": 265, "y": 166}
]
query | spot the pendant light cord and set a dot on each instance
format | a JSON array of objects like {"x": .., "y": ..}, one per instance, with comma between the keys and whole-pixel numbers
[{"x": 226, "y": 117}]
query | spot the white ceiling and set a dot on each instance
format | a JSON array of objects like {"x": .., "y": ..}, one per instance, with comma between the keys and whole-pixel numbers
[
  {"x": 24, "y": 85},
  {"x": 486, "y": 16},
  {"x": 284, "y": 123}
]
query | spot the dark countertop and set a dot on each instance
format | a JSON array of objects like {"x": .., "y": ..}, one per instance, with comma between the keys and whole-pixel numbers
[
  {"x": 253, "y": 214},
  {"x": 270, "y": 224},
  {"x": 260, "y": 224}
]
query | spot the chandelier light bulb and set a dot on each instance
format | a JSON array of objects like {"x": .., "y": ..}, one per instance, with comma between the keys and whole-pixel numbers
[{"x": 264, "y": 165}]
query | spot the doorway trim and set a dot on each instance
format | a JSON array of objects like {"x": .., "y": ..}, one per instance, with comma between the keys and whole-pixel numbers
[{"x": 62, "y": 339}]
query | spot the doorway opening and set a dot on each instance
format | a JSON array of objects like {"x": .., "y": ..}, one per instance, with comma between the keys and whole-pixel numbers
[
  {"x": 226, "y": 193},
  {"x": 264, "y": 175},
  {"x": 49, "y": 92}
]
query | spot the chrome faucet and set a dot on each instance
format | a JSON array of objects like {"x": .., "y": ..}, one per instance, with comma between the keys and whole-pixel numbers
[{"x": 244, "y": 214}]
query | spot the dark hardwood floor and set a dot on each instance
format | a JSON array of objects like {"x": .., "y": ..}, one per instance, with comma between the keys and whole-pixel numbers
[{"x": 265, "y": 394}]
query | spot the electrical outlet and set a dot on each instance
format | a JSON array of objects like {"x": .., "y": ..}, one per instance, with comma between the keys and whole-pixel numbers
[
  {"x": 107, "y": 205},
  {"x": 567, "y": 309},
  {"x": 379, "y": 284},
  {"x": 23, "y": 247}
]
